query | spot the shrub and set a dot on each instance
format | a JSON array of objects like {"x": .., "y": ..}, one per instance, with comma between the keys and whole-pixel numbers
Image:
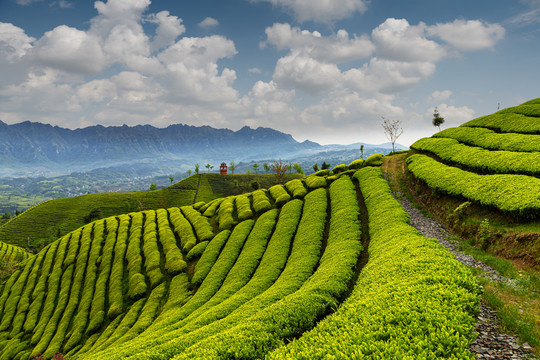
[
  {"x": 197, "y": 251},
  {"x": 514, "y": 194},
  {"x": 280, "y": 195},
  {"x": 323, "y": 172},
  {"x": 374, "y": 160},
  {"x": 315, "y": 182},
  {"x": 339, "y": 168},
  {"x": 356, "y": 164}
]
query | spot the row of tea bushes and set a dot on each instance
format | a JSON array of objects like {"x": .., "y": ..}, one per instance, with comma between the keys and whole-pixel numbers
[
  {"x": 489, "y": 139},
  {"x": 412, "y": 299},
  {"x": 518, "y": 195},
  {"x": 479, "y": 159}
]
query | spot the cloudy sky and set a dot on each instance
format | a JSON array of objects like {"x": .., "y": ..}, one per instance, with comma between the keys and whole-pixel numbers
[{"x": 324, "y": 70}]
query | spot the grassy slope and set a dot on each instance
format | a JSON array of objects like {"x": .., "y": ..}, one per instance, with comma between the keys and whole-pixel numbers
[
  {"x": 51, "y": 219},
  {"x": 79, "y": 277}
]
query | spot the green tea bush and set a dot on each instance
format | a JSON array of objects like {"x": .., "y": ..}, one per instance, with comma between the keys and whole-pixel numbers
[
  {"x": 324, "y": 172},
  {"x": 198, "y": 205},
  {"x": 174, "y": 261},
  {"x": 261, "y": 203},
  {"x": 315, "y": 182},
  {"x": 280, "y": 195},
  {"x": 136, "y": 280},
  {"x": 478, "y": 159},
  {"x": 340, "y": 168},
  {"x": 296, "y": 188},
  {"x": 507, "y": 123},
  {"x": 210, "y": 209},
  {"x": 489, "y": 139},
  {"x": 197, "y": 251},
  {"x": 243, "y": 207},
  {"x": 356, "y": 164},
  {"x": 225, "y": 214},
  {"x": 374, "y": 160},
  {"x": 209, "y": 256},
  {"x": 183, "y": 230},
  {"x": 116, "y": 280},
  {"x": 200, "y": 223},
  {"x": 427, "y": 314},
  {"x": 515, "y": 194},
  {"x": 247, "y": 301}
]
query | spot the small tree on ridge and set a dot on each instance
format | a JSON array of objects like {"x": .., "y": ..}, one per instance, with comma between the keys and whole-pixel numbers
[{"x": 438, "y": 120}]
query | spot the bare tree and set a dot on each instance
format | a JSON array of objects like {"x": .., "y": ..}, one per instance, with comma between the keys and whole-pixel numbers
[
  {"x": 392, "y": 130},
  {"x": 279, "y": 168}
]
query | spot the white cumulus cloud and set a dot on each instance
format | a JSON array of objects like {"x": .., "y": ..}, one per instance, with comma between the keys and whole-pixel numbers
[
  {"x": 395, "y": 39},
  {"x": 322, "y": 11},
  {"x": 468, "y": 35},
  {"x": 438, "y": 96},
  {"x": 71, "y": 50},
  {"x": 335, "y": 48},
  {"x": 14, "y": 43},
  {"x": 208, "y": 23}
]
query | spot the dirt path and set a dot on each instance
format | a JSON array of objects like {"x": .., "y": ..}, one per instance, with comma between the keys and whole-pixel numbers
[{"x": 491, "y": 343}]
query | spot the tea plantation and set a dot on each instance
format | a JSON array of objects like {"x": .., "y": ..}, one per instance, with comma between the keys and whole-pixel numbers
[
  {"x": 320, "y": 267},
  {"x": 278, "y": 273},
  {"x": 493, "y": 160}
]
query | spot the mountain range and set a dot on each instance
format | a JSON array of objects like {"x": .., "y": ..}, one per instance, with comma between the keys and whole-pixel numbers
[{"x": 32, "y": 148}]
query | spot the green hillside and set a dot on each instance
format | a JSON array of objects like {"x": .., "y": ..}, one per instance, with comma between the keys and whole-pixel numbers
[
  {"x": 280, "y": 273},
  {"x": 51, "y": 219},
  {"x": 490, "y": 166}
]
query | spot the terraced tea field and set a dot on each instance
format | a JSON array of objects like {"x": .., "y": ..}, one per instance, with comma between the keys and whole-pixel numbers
[
  {"x": 275, "y": 273},
  {"x": 493, "y": 160}
]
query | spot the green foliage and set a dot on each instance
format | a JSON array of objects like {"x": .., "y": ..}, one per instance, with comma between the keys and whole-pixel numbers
[
  {"x": 255, "y": 185},
  {"x": 339, "y": 168},
  {"x": 243, "y": 207},
  {"x": 325, "y": 166},
  {"x": 356, "y": 164},
  {"x": 197, "y": 251},
  {"x": 209, "y": 256},
  {"x": 225, "y": 216},
  {"x": 296, "y": 188},
  {"x": 183, "y": 229},
  {"x": 174, "y": 261},
  {"x": 40, "y": 224},
  {"x": 427, "y": 314},
  {"x": 374, "y": 160},
  {"x": 280, "y": 195},
  {"x": 200, "y": 224},
  {"x": 314, "y": 182},
  {"x": 323, "y": 172},
  {"x": 507, "y": 123},
  {"x": 438, "y": 120},
  {"x": 261, "y": 203},
  {"x": 481, "y": 160},
  {"x": 514, "y": 194},
  {"x": 489, "y": 139}
]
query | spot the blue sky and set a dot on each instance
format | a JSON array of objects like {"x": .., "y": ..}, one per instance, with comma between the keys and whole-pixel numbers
[{"x": 324, "y": 70}]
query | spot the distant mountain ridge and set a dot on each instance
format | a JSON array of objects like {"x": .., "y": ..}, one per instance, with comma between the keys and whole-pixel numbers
[
  {"x": 31, "y": 141},
  {"x": 33, "y": 148},
  {"x": 37, "y": 144}
]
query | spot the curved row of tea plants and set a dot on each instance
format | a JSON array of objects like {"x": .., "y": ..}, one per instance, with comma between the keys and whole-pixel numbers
[
  {"x": 412, "y": 300},
  {"x": 109, "y": 277},
  {"x": 518, "y": 195},
  {"x": 479, "y": 159},
  {"x": 284, "y": 288},
  {"x": 504, "y": 143},
  {"x": 11, "y": 253},
  {"x": 489, "y": 139}
]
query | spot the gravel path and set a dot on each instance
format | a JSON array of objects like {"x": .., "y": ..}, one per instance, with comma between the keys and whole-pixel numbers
[{"x": 490, "y": 343}]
